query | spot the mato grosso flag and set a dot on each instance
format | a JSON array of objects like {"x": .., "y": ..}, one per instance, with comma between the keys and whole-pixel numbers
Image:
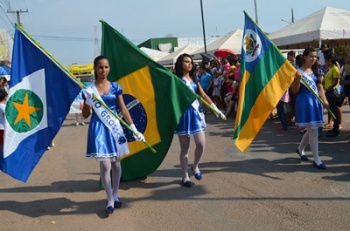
[
  {"x": 265, "y": 76},
  {"x": 39, "y": 99},
  {"x": 155, "y": 97}
]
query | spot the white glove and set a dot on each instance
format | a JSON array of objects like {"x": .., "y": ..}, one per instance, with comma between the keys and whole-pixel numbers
[
  {"x": 217, "y": 112},
  {"x": 88, "y": 96},
  {"x": 139, "y": 136}
]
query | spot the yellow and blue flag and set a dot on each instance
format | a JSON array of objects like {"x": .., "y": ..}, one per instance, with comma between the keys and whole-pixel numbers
[
  {"x": 39, "y": 99},
  {"x": 265, "y": 76}
]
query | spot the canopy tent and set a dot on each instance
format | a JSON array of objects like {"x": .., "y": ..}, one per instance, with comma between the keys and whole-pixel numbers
[
  {"x": 328, "y": 25},
  {"x": 154, "y": 54},
  {"x": 5, "y": 72},
  {"x": 232, "y": 41},
  {"x": 170, "y": 59}
]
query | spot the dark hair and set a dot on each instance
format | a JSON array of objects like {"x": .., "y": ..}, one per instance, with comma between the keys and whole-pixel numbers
[
  {"x": 96, "y": 60},
  {"x": 291, "y": 53},
  {"x": 178, "y": 66},
  {"x": 205, "y": 61},
  {"x": 232, "y": 59},
  {"x": 3, "y": 79},
  {"x": 3, "y": 93},
  {"x": 314, "y": 67},
  {"x": 299, "y": 60},
  {"x": 214, "y": 63},
  {"x": 331, "y": 57}
]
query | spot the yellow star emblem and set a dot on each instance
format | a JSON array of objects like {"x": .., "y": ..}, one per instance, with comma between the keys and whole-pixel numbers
[{"x": 25, "y": 110}]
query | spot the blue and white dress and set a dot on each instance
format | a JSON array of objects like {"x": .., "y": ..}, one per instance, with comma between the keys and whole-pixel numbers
[
  {"x": 101, "y": 143},
  {"x": 192, "y": 120},
  {"x": 308, "y": 109}
]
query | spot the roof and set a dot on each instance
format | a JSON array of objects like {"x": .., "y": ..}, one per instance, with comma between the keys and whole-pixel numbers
[
  {"x": 232, "y": 41},
  {"x": 321, "y": 26},
  {"x": 171, "y": 58},
  {"x": 154, "y": 54}
]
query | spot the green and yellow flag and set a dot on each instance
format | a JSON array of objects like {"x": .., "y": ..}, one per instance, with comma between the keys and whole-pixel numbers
[
  {"x": 155, "y": 97},
  {"x": 265, "y": 76}
]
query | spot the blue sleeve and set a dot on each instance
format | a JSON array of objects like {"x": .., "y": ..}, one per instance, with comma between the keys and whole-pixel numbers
[{"x": 116, "y": 89}]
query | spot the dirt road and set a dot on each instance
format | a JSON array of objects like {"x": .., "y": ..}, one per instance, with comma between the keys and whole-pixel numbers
[{"x": 267, "y": 188}]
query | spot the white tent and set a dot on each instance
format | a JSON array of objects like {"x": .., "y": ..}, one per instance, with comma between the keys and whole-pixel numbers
[
  {"x": 171, "y": 58},
  {"x": 328, "y": 25},
  {"x": 232, "y": 41},
  {"x": 154, "y": 54}
]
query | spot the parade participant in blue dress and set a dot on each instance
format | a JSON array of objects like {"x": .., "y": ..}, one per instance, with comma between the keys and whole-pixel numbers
[
  {"x": 308, "y": 108},
  {"x": 192, "y": 121},
  {"x": 106, "y": 140}
]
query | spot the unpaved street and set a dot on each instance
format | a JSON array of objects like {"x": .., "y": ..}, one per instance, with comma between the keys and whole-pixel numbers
[{"x": 267, "y": 188}]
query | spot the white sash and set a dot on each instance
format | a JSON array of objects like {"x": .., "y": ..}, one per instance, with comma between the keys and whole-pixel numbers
[
  {"x": 112, "y": 123},
  {"x": 309, "y": 81},
  {"x": 195, "y": 103}
]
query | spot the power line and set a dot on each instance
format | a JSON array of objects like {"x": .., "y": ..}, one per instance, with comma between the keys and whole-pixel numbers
[
  {"x": 64, "y": 38},
  {"x": 6, "y": 15},
  {"x": 7, "y": 3},
  {"x": 18, "y": 14}
]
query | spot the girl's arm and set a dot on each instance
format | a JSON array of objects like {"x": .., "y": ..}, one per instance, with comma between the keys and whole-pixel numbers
[
  {"x": 321, "y": 92},
  {"x": 86, "y": 110},
  {"x": 296, "y": 83},
  {"x": 203, "y": 94}
]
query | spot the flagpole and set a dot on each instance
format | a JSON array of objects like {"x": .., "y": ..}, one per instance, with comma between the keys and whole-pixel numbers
[
  {"x": 121, "y": 120},
  {"x": 204, "y": 38},
  {"x": 36, "y": 43},
  {"x": 78, "y": 82},
  {"x": 317, "y": 96},
  {"x": 211, "y": 107}
]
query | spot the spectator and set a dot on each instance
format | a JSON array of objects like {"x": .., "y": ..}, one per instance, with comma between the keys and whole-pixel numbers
[
  {"x": 331, "y": 85},
  {"x": 3, "y": 99}
]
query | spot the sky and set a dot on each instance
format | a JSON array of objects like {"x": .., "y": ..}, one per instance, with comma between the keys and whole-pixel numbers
[{"x": 70, "y": 29}]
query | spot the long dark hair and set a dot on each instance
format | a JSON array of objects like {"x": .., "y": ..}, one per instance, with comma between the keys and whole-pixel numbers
[
  {"x": 299, "y": 60},
  {"x": 331, "y": 57},
  {"x": 178, "y": 67},
  {"x": 3, "y": 93},
  {"x": 96, "y": 60},
  {"x": 314, "y": 67}
]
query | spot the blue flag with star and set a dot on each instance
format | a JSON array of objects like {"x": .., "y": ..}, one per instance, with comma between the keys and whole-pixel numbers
[{"x": 39, "y": 99}]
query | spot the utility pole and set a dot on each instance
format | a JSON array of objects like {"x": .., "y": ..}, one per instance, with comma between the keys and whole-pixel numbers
[
  {"x": 97, "y": 49},
  {"x": 256, "y": 12},
  {"x": 205, "y": 40},
  {"x": 17, "y": 13}
]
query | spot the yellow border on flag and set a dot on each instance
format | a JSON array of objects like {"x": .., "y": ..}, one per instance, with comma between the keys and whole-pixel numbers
[{"x": 139, "y": 85}]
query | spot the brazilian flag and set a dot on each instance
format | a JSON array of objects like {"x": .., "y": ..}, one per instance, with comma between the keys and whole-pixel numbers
[
  {"x": 155, "y": 97},
  {"x": 265, "y": 76}
]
